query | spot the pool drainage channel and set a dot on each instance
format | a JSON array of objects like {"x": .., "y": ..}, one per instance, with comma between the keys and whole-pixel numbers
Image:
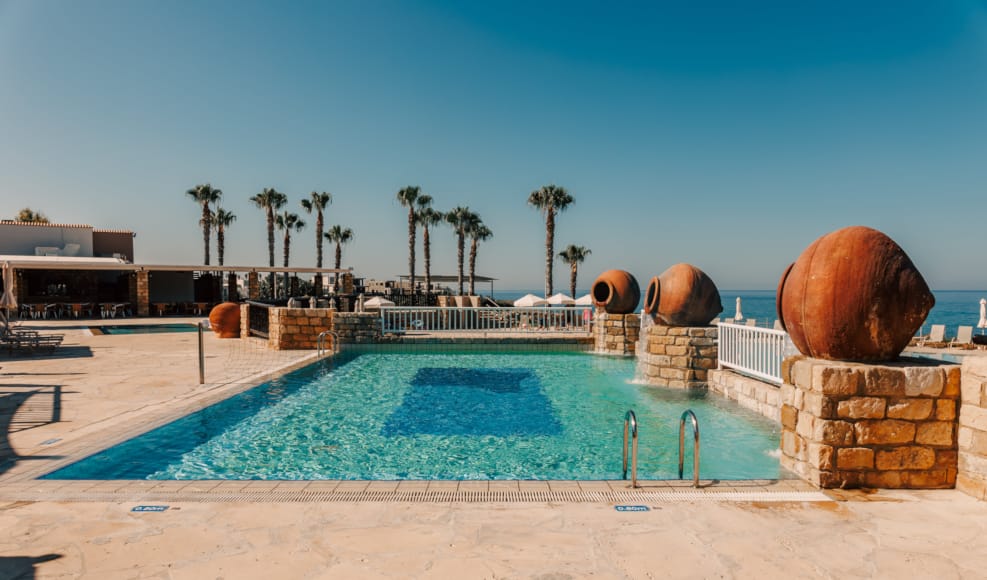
[{"x": 666, "y": 495}]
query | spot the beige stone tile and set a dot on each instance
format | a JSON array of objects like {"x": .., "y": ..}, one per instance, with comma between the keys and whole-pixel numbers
[
  {"x": 474, "y": 485},
  {"x": 533, "y": 486},
  {"x": 379, "y": 486},
  {"x": 322, "y": 485},
  {"x": 443, "y": 485},
  {"x": 352, "y": 486},
  {"x": 504, "y": 485},
  {"x": 563, "y": 485}
]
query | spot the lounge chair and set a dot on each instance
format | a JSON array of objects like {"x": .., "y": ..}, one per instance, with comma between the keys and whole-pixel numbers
[
  {"x": 777, "y": 325},
  {"x": 751, "y": 322},
  {"x": 937, "y": 333},
  {"x": 964, "y": 335},
  {"x": 28, "y": 340}
]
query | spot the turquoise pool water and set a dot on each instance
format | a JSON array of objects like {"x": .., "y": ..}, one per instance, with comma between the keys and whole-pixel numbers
[
  {"x": 145, "y": 328},
  {"x": 452, "y": 415}
]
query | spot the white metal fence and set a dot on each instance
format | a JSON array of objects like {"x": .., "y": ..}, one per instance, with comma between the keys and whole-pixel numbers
[
  {"x": 437, "y": 319},
  {"x": 754, "y": 350}
]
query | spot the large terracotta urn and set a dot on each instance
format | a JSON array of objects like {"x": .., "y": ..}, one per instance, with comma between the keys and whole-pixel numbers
[
  {"x": 616, "y": 291},
  {"x": 682, "y": 295},
  {"x": 225, "y": 320},
  {"x": 853, "y": 295}
]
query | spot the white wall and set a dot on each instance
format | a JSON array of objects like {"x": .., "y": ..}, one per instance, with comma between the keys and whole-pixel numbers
[{"x": 20, "y": 240}]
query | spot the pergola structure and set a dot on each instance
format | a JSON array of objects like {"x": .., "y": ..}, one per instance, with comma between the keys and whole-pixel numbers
[{"x": 451, "y": 280}]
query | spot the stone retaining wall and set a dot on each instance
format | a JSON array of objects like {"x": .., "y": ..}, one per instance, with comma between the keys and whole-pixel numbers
[
  {"x": 972, "y": 476},
  {"x": 357, "y": 327},
  {"x": 750, "y": 393},
  {"x": 678, "y": 357},
  {"x": 890, "y": 425},
  {"x": 297, "y": 328},
  {"x": 616, "y": 333}
]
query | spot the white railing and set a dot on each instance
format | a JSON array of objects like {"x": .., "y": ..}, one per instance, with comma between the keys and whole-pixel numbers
[
  {"x": 542, "y": 319},
  {"x": 753, "y": 350}
]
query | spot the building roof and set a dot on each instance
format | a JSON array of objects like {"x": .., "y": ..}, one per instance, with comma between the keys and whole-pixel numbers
[
  {"x": 440, "y": 278},
  {"x": 43, "y": 224}
]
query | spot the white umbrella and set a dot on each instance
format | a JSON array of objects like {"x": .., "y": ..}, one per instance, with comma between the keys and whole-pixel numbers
[
  {"x": 983, "y": 315},
  {"x": 8, "y": 300},
  {"x": 739, "y": 315},
  {"x": 529, "y": 300},
  {"x": 378, "y": 302},
  {"x": 586, "y": 300},
  {"x": 561, "y": 299}
]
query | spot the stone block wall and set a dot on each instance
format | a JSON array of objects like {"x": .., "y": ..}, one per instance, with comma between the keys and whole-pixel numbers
[
  {"x": 890, "y": 425},
  {"x": 143, "y": 293},
  {"x": 297, "y": 328},
  {"x": 972, "y": 476},
  {"x": 616, "y": 333},
  {"x": 357, "y": 327},
  {"x": 676, "y": 356},
  {"x": 253, "y": 286},
  {"x": 754, "y": 394}
]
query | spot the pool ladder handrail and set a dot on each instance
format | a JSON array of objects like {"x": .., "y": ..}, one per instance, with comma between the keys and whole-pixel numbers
[
  {"x": 320, "y": 343},
  {"x": 695, "y": 445},
  {"x": 630, "y": 427}
]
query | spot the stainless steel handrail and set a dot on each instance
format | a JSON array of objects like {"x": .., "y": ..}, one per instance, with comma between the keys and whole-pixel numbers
[
  {"x": 630, "y": 426},
  {"x": 320, "y": 343},
  {"x": 695, "y": 445}
]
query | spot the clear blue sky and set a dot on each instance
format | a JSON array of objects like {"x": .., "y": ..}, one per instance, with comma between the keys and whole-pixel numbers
[{"x": 725, "y": 134}]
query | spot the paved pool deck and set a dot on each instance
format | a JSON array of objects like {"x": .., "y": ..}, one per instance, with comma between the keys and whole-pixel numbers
[{"x": 96, "y": 390}]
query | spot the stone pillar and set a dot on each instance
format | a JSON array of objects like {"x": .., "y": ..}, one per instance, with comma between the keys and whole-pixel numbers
[
  {"x": 143, "y": 293},
  {"x": 132, "y": 293},
  {"x": 972, "y": 476},
  {"x": 346, "y": 283},
  {"x": 244, "y": 320},
  {"x": 678, "y": 356},
  {"x": 232, "y": 294},
  {"x": 293, "y": 286},
  {"x": 889, "y": 425},
  {"x": 616, "y": 333},
  {"x": 253, "y": 286}
]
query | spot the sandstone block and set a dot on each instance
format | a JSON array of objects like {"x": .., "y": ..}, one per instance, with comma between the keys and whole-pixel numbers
[
  {"x": 839, "y": 479},
  {"x": 883, "y": 479},
  {"x": 791, "y": 444},
  {"x": 924, "y": 381},
  {"x": 930, "y": 479},
  {"x": 884, "y": 381},
  {"x": 802, "y": 373},
  {"x": 658, "y": 330},
  {"x": 910, "y": 457},
  {"x": 974, "y": 417},
  {"x": 972, "y": 486},
  {"x": 861, "y": 408},
  {"x": 946, "y": 410},
  {"x": 935, "y": 433},
  {"x": 884, "y": 432},
  {"x": 789, "y": 417},
  {"x": 855, "y": 458},
  {"x": 837, "y": 381},
  {"x": 953, "y": 377},
  {"x": 820, "y": 405},
  {"x": 786, "y": 368},
  {"x": 676, "y": 350},
  {"x": 913, "y": 409},
  {"x": 839, "y": 433},
  {"x": 820, "y": 456},
  {"x": 946, "y": 458}
]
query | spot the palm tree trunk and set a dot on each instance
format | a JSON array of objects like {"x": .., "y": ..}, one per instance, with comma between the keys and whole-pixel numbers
[
  {"x": 459, "y": 254},
  {"x": 220, "y": 243},
  {"x": 426, "y": 244},
  {"x": 411, "y": 247},
  {"x": 339, "y": 261},
  {"x": 287, "y": 248},
  {"x": 270, "y": 248},
  {"x": 319, "y": 225},
  {"x": 572, "y": 280},
  {"x": 473, "y": 246},
  {"x": 549, "y": 249},
  {"x": 205, "y": 232}
]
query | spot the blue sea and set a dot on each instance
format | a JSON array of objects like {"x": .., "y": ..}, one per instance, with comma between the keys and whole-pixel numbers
[{"x": 953, "y": 307}]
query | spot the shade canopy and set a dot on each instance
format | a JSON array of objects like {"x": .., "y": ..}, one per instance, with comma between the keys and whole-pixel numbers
[
  {"x": 739, "y": 315},
  {"x": 982, "y": 323},
  {"x": 561, "y": 299},
  {"x": 529, "y": 300},
  {"x": 8, "y": 300},
  {"x": 586, "y": 300},
  {"x": 377, "y": 302}
]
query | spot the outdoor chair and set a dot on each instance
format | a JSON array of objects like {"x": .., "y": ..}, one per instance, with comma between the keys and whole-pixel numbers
[
  {"x": 777, "y": 325},
  {"x": 937, "y": 333},
  {"x": 964, "y": 336}
]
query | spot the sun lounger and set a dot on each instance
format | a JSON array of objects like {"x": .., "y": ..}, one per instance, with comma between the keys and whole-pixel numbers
[
  {"x": 936, "y": 334},
  {"x": 28, "y": 340},
  {"x": 751, "y": 322},
  {"x": 964, "y": 335}
]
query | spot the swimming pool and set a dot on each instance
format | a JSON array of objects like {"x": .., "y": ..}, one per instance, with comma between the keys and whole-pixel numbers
[
  {"x": 400, "y": 414},
  {"x": 143, "y": 328}
]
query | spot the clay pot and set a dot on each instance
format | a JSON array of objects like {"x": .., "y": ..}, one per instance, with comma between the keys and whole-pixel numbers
[
  {"x": 225, "y": 320},
  {"x": 616, "y": 291},
  {"x": 853, "y": 295},
  {"x": 682, "y": 295}
]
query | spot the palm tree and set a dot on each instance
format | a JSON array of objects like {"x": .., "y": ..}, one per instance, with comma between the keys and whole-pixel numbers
[
  {"x": 340, "y": 236},
  {"x": 574, "y": 256},
  {"x": 550, "y": 199},
  {"x": 29, "y": 215},
  {"x": 286, "y": 222},
  {"x": 461, "y": 219},
  {"x": 221, "y": 218},
  {"x": 478, "y": 232},
  {"x": 270, "y": 200},
  {"x": 427, "y": 217},
  {"x": 407, "y": 197},
  {"x": 204, "y": 195},
  {"x": 318, "y": 202}
]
